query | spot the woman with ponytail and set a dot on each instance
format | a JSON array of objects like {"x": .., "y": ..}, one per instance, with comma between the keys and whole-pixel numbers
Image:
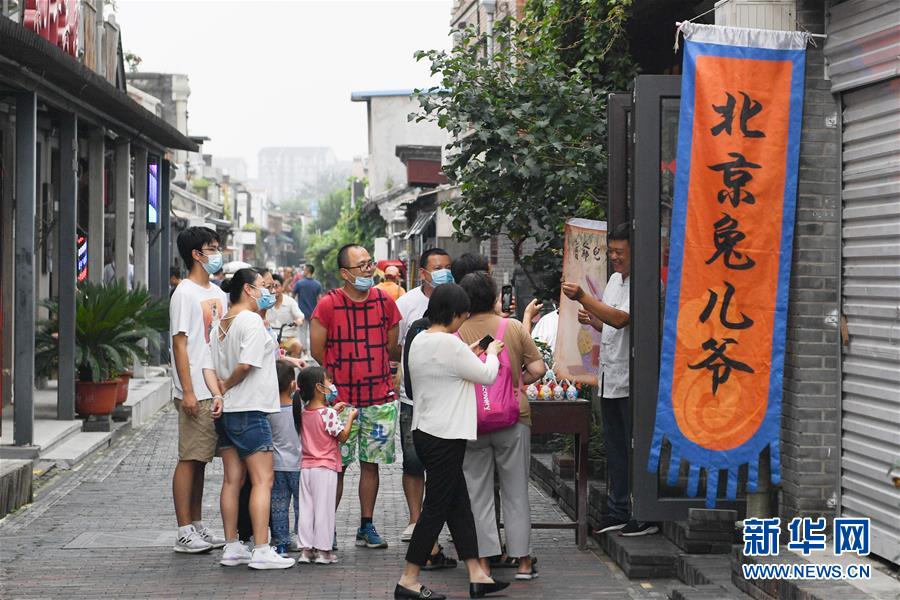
[{"x": 243, "y": 359}]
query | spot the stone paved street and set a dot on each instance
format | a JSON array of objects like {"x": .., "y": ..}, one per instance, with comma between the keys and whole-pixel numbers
[{"x": 117, "y": 508}]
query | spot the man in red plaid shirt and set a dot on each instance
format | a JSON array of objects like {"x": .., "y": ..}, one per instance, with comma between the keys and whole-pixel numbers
[{"x": 353, "y": 335}]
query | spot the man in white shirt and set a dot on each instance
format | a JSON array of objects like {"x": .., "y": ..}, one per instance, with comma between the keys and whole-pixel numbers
[
  {"x": 611, "y": 317},
  {"x": 286, "y": 314},
  {"x": 194, "y": 306},
  {"x": 434, "y": 269}
]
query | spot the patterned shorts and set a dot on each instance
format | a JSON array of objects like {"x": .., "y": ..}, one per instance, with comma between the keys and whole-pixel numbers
[{"x": 373, "y": 431}]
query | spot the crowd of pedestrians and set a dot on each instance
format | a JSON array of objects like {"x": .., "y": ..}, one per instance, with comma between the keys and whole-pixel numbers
[{"x": 291, "y": 385}]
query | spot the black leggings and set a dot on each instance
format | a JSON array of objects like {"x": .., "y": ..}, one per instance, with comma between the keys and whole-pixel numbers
[{"x": 446, "y": 499}]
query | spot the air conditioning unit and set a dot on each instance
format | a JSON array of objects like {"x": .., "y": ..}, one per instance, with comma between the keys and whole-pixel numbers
[{"x": 758, "y": 14}]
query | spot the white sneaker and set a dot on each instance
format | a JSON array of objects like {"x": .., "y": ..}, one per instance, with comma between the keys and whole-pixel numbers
[
  {"x": 209, "y": 538},
  {"x": 326, "y": 558},
  {"x": 267, "y": 558},
  {"x": 191, "y": 542},
  {"x": 407, "y": 533},
  {"x": 306, "y": 556},
  {"x": 235, "y": 554}
]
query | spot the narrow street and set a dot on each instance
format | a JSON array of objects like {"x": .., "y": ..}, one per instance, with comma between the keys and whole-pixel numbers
[{"x": 106, "y": 530}]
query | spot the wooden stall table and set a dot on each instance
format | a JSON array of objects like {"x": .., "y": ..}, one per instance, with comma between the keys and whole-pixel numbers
[{"x": 568, "y": 416}]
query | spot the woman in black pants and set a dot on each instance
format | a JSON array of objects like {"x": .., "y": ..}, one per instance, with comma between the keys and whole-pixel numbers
[{"x": 443, "y": 371}]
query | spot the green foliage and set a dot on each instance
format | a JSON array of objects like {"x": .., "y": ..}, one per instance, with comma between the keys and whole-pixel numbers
[
  {"x": 528, "y": 127},
  {"x": 110, "y": 322},
  {"x": 339, "y": 223}
]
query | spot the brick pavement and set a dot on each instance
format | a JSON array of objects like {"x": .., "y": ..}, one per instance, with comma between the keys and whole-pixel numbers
[{"x": 128, "y": 487}]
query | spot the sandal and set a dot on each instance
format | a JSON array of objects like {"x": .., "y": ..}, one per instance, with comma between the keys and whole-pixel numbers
[
  {"x": 439, "y": 561},
  {"x": 532, "y": 575},
  {"x": 504, "y": 562}
]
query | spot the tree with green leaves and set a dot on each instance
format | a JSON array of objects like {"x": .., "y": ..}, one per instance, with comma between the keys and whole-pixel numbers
[
  {"x": 528, "y": 125},
  {"x": 342, "y": 223}
]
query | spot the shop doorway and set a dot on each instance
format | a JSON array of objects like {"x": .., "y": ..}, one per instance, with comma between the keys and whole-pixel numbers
[{"x": 642, "y": 140}]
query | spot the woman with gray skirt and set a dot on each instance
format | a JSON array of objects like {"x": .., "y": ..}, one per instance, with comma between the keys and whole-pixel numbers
[{"x": 506, "y": 451}]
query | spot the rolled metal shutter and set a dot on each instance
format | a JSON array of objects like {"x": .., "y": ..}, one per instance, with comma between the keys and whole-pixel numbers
[{"x": 870, "y": 434}]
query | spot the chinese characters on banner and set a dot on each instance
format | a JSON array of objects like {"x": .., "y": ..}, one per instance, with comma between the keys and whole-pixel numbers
[
  {"x": 719, "y": 401},
  {"x": 577, "y": 354}
]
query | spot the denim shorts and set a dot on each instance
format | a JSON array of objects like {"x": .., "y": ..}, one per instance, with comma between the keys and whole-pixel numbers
[{"x": 247, "y": 432}]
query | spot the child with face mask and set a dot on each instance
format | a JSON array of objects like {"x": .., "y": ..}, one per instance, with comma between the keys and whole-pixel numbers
[{"x": 321, "y": 430}]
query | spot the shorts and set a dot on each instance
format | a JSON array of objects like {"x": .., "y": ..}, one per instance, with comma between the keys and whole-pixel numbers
[
  {"x": 373, "y": 431},
  {"x": 247, "y": 431},
  {"x": 411, "y": 463},
  {"x": 196, "y": 435}
]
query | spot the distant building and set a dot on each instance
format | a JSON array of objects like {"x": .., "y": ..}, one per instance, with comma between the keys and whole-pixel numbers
[
  {"x": 234, "y": 166},
  {"x": 173, "y": 91},
  {"x": 286, "y": 170}
]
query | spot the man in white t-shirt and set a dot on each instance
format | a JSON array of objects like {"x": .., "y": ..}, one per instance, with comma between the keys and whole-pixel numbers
[
  {"x": 434, "y": 269},
  {"x": 611, "y": 316},
  {"x": 194, "y": 306},
  {"x": 287, "y": 314}
]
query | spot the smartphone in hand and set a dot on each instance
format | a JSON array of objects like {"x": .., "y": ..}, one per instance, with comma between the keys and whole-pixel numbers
[
  {"x": 506, "y": 294},
  {"x": 484, "y": 342}
]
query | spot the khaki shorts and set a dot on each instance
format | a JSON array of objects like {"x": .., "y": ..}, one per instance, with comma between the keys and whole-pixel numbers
[{"x": 197, "y": 436}]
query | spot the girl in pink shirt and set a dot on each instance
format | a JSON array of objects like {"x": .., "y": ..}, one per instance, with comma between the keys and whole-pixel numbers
[{"x": 321, "y": 431}]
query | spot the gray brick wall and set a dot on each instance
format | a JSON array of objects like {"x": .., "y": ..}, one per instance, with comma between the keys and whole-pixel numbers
[{"x": 811, "y": 400}]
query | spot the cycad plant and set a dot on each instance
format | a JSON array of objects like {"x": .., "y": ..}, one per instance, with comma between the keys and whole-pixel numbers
[{"x": 110, "y": 322}]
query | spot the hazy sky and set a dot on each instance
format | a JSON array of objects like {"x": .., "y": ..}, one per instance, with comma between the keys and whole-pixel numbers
[{"x": 280, "y": 73}]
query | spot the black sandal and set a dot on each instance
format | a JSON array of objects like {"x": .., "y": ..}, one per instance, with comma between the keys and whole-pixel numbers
[
  {"x": 504, "y": 562},
  {"x": 439, "y": 561}
]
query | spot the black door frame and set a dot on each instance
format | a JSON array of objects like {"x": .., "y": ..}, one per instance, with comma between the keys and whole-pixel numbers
[{"x": 649, "y": 91}]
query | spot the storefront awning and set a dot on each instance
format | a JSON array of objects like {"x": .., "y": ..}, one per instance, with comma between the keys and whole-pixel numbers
[
  {"x": 421, "y": 222},
  {"x": 33, "y": 63}
]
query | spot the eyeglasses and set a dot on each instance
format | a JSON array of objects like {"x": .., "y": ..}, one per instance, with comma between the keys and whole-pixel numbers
[{"x": 362, "y": 266}]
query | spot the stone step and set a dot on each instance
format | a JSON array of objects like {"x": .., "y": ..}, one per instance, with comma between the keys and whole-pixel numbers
[
  {"x": 47, "y": 435},
  {"x": 698, "y": 542},
  {"x": 642, "y": 557},
  {"x": 75, "y": 449}
]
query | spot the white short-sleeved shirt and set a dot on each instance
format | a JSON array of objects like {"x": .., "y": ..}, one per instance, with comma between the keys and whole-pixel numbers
[
  {"x": 286, "y": 314},
  {"x": 412, "y": 306},
  {"x": 546, "y": 328},
  {"x": 192, "y": 311},
  {"x": 247, "y": 342},
  {"x": 614, "y": 343}
]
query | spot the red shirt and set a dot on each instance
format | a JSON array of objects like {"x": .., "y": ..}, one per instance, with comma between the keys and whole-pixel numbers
[{"x": 356, "y": 348}]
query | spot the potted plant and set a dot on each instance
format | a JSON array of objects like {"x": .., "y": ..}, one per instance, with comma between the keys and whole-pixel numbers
[{"x": 110, "y": 324}]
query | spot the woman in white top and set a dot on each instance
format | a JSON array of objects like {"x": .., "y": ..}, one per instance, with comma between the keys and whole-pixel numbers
[
  {"x": 243, "y": 360},
  {"x": 443, "y": 370}
]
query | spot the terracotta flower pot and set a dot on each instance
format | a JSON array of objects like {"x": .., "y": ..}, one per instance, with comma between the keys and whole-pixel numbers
[
  {"x": 96, "y": 398},
  {"x": 123, "y": 387}
]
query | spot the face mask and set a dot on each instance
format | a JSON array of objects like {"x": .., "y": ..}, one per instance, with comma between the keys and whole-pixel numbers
[
  {"x": 266, "y": 301},
  {"x": 441, "y": 276},
  {"x": 332, "y": 395},
  {"x": 363, "y": 283},
  {"x": 214, "y": 263}
]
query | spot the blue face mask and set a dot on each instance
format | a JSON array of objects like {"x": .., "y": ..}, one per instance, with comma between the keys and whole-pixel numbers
[
  {"x": 332, "y": 394},
  {"x": 441, "y": 276},
  {"x": 363, "y": 284},
  {"x": 214, "y": 263},
  {"x": 266, "y": 301}
]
